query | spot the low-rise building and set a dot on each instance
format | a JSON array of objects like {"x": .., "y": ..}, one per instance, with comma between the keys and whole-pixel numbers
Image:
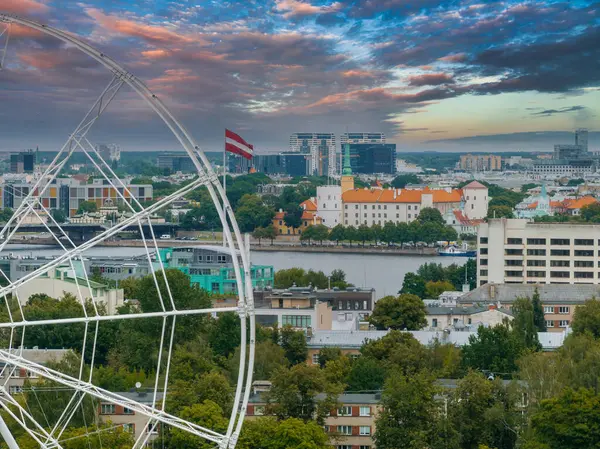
[
  {"x": 308, "y": 218},
  {"x": 13, "y": 378},
  {"x": 465, "y": 317},
  {"x": 132, "y": 422}
]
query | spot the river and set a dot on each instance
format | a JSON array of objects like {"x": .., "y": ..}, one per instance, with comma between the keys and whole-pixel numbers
[{"x": 383, "y": 272}]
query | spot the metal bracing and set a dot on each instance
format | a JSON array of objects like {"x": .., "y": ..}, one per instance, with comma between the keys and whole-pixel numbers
[
  {"x": 206, "y": 177},
  {"x": 4, "y": 35}
]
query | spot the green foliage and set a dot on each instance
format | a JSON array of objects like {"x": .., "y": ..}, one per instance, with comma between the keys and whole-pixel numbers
[
  {"x": 252, "y": 213},
  {"x": 433, "y": 289},
  {"x": 207, "y": 414},
  {"x": 58, "y": 215},
  {"x": 526, "y": 187},
  {"x": 87, "y": 207},
  {"x": 301, "y": 278},
  {"x": 295, "y": 394},
  {"x": 500, "y": 211},
  {"x": 591, "y": 213},
  {"x": 212, "y": 386},
  {"x": 569, "y": 421},
  {"x": 539, "y": 320},
  {"x": 268, "y": 433},
  {"x": 293, "y": 216},
  {"x": 5, "y": 214},
  {"x": 268, "y": 232},
  {"x": 293, "y": 343},
  {"x": 338, "y": 233},
  {"x": 328, "y": 354},
  {"x": 400, "y": 181},
  {"x": 408, "y": 412},
  {"x": 430, "y": 215},
  {"x": 399, "y": 312},
  {"x": 315, "y": 232},
  {"x": 587, "y": 318},
  {"x": 524, "y": 325},
  {"x": 204, "y": 217},
  {"x": 268, "y": 358},
  {"x": 413, "y": 285},
  {"x": 366, "y": 374},
  {"x": 224, "y": 334},
  {"x": 494, "y": 349}
]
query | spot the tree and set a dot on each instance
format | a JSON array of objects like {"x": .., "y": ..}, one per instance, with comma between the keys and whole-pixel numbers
[
  {"x": 400, "y": 181},
  {"x": 259, "y": 234},
  {"x": 495, "y": 349},
  {"x": 5, "y": 214},
  {"x": 268, "y": 358},
  {"x": 435, "y": 289},
  {"x": 212, "y": 386},
  {"x": 268, "y": 433},
  {"x": 413, "y": 285},
  {"x": 408, "y": 412},
  {"x": 293, "y": 216},
  {"x": 398, "y": 351},
  {"x": 363, "y": 233},
  {"x": 293, "y": 343},
  {"x": 327, "y": 354},
  {"x": 87, "y": 207},
  {"x": 539, "y": 320},
  {"x": 399, "y": 312},
  {"x": 338, "y": 278},
  {"x": 320, "y": 233},
  {"x": 430, "y": 215},
  {"x": 224, "y": 334},
  {"x": 308, "y": 233},
  {"x": 569, "y": 421},
  {"x": 337, "y": 234},
  {"x": 130, "y": 287},
  {"x": 207, "y": 414},
  {"x": 251, "y": 213},
  {"x": 587, "y": 318},
  {"x": 366, "y": 374},
  {"x": 523, "y": 324},
  {"x": 270, "y": 233},
  {"x": 500, "y": 212},
  {"x": 591, "y": 212},
  {"x": 58, "y": 215},
  {"x": 295, "y": 394},
  {"x": 351, "y": 234},
  {"x": 288, "y": 278}
]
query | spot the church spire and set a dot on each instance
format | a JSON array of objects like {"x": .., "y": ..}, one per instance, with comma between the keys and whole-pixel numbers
[{"x": 347, "y": 170}]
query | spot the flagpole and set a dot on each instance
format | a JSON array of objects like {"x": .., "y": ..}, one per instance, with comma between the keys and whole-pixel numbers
[{"x": 224, "y": 182}]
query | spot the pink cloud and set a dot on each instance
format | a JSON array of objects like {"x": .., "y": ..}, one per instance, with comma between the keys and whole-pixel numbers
[
  {"x": 132, "y": 28},
  {"x": 156, "y": 54},
  {"x": 456, "y": 57},
  {"x": 358, "y": 74},
  {"x": 297, "y": 8},
  {"x": 23, "y": 6},
  {"x": 430, "y": 79}
]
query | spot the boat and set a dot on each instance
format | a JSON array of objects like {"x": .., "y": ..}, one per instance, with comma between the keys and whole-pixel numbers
[{"x": 454, "y": 251}]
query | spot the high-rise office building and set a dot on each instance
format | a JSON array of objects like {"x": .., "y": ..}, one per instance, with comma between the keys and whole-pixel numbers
[
  {"x": 23, "y": 162},
  {"x": 322, "y": 150},
  {"x": 581, "y": 138},
  {"x": 362, "y": 138},
  {"x": 175, "y": 162},
  {"x": 370, "y": 158},
  {"x": 109, "y": 152}
]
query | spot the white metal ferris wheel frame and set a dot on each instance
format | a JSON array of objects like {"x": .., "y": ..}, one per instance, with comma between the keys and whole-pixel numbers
[{"x": 208, "y": 178}]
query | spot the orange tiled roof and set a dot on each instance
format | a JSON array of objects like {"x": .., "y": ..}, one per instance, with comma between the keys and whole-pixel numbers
[
  {"x": 555, "y": 204},
  {"x": 532, "y": 205},
  {"x": 279, "y": 216},
  {"x": 475, "y": 185},
  {"x": 309, "y": 205},
  {"x": 405, "y": 196},
  {"x": 579, "y": 202},
  {"x": 460, "y": 217}
]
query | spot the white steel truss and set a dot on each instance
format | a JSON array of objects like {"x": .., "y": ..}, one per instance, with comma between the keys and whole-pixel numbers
[{"x": 140, "y": 216}]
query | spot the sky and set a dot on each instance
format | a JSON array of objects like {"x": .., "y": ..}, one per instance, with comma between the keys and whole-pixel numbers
[{"x": 453, "y": 75}]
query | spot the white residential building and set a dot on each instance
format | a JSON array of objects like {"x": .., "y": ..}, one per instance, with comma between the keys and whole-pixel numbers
[
  {"x": 329, "y": 205},
  {"x": 516, "y": 251},
  {"x": 362, "y": 138}
]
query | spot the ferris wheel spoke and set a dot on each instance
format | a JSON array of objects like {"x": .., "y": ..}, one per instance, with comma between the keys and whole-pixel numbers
[{"x": 4, "y": 35}]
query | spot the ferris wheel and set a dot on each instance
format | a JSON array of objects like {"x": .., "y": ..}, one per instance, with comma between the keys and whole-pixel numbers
[{"x": 16, "y": 326}]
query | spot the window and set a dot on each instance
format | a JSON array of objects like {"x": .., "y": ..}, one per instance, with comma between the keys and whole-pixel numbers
[
  {"x": 514, "y": 252},
  {"x": 344, "y": 430},
  {"x": 15, "y": 389},
  {"x": 560, "y": 263},
  {"x": 559, "y": 274},
  {"x": 365, "y": 430},
  {"x": 563, "y": 323},
  {"x": 209, "y": 258},
  {"x": 107, "y": 409},
  {"x": 127, "y": 411},
  {"x": 536, "y": 263},
  {"x": 483, "y": 272},
  {"x": 152, "y": 428},
  {"x": 483, "y": 240},
  {"x": 344, "y": 446},
  {"x": 536, "y": 274},
  {"x": 549, "y": 324},
  {"x": 301, "y": 321},
  {"x": 315, "y": 358},
  {"x": 584, "y": 253},
  {"x": 536, "y": 252},
  {"x": 513, "y": 241},
  {"x": 560, "y": 252},
  {"x": 563, "y": 310},
  {"x": 483, "y": 262},
  {"x": 364, "y": 447},
  {"x": 483, "y": 251},
  {"x": 345, "y": 410},
  {"x": 434, "y": 322},
  {"x": 584, "y": 242},
  {"x": 365, "y": 411},
  {"x": 561, "y": 242},
  {"x": 128, "y": 428},
  {"x": 221, "y": 258},
  {"x": 583, "y": 263},
  {"x": 514, "y": 263},
  {"x": 536, "y": 241},
  {"x": 548, "y": 309},
  {"x": 513, "y": 274}
]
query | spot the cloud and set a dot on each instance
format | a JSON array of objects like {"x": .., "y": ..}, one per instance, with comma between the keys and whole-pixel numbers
[
  {"x": 23, "y": 6},
  {"x": 456, "y": 57},
  {"x": 298, "y": 8},
  {"x": 430, "y": 79},
  {"x": 127, "y": 27},
  {"x": 549, "y": 112}
]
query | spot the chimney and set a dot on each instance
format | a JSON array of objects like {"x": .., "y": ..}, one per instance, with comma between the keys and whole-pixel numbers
[
  {"x": 492, "y": 291},
  {"x": 395, "y": 193}
]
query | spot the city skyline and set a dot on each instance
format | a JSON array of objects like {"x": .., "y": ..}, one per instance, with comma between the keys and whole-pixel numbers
[{"x": 444, "y": 76}]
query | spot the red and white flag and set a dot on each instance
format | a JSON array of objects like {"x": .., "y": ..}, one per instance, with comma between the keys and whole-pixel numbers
[{"x": 235, "y": 144}]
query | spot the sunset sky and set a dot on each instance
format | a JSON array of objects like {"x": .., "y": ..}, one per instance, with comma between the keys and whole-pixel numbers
[{"x": 425, "y": 72}]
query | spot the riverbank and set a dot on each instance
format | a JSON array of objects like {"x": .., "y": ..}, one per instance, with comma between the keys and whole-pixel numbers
[{"x": 265, "y": 247}]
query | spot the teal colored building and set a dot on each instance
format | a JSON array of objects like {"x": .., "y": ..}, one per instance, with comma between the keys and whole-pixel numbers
[{"x": 211, "y": 267}]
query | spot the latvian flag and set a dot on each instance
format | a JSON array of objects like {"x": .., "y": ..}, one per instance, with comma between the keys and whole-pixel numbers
[{"x": 235, "y": 144}]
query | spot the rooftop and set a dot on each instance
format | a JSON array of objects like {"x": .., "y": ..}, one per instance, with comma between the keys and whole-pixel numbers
[{"x": 549, "y": 293}]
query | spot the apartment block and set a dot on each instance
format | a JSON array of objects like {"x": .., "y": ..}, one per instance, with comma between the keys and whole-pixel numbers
[
  {"x": 515, "y": 251},
  {"x": 480, "y": 162},
  {"x": 128, "y": 419},
  {"x": 321, "y": 147}
]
